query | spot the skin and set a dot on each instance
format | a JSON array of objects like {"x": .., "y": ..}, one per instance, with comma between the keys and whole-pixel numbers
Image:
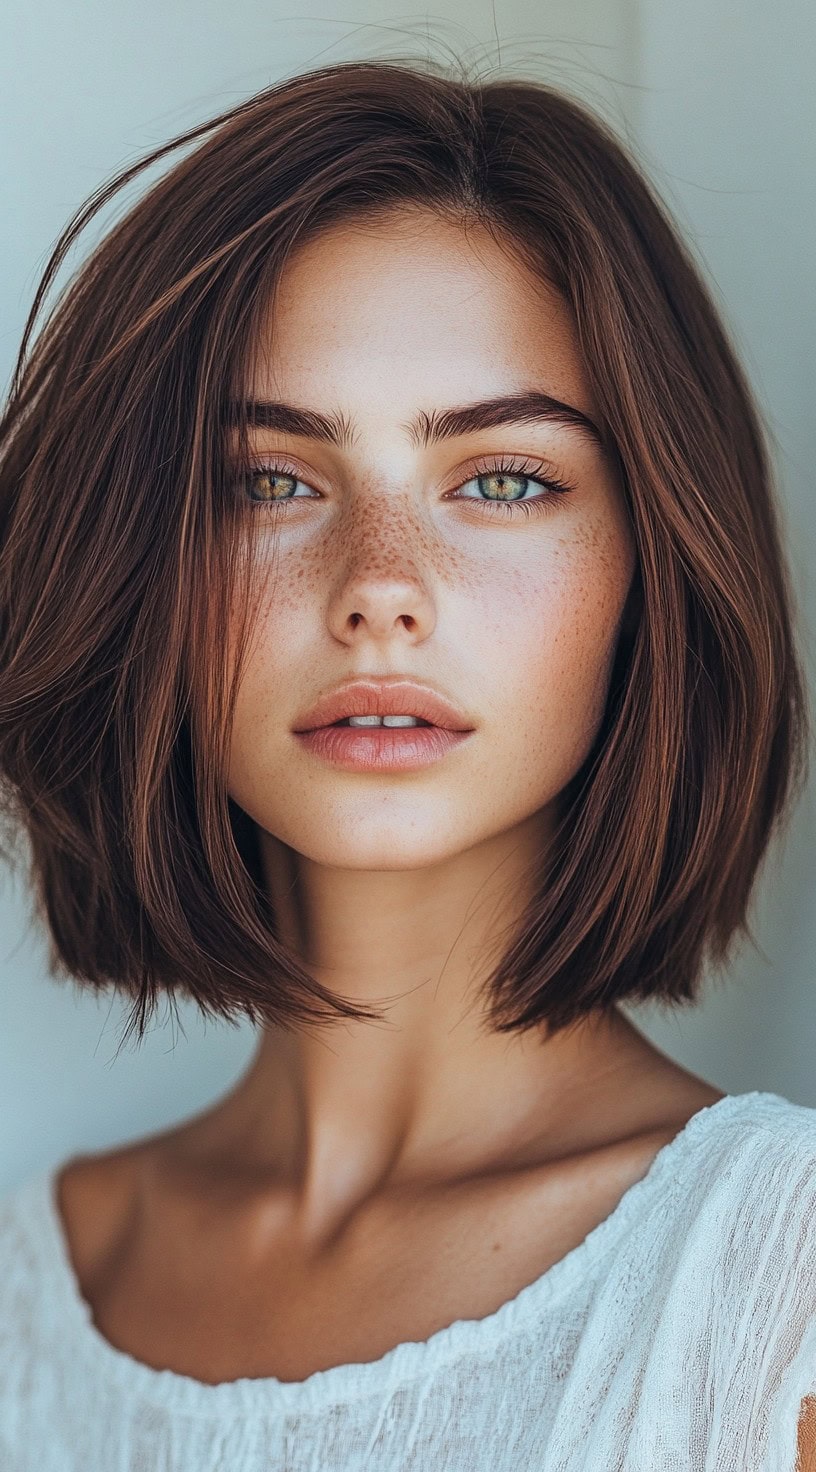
[{"x": 343, "y": 1150}]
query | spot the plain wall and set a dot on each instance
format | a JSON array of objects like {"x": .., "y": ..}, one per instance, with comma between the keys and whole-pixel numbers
[
  {"x": 719, "y": 108},
  {"x": 725, "y": 117}
]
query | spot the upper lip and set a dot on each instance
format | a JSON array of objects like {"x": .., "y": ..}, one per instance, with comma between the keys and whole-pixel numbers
[{"x": 383, "y": 697}]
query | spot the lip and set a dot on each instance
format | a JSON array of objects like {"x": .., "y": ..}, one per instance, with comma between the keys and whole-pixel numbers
[
  {"x": 382, "y": 749},
  {"x": 384, "y": 697}
]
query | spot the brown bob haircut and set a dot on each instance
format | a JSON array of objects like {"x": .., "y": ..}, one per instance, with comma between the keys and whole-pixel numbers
[{"x": 120, "y": 534}]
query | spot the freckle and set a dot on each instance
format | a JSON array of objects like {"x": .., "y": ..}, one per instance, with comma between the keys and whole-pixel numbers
[{"x": 389, "y": 544}]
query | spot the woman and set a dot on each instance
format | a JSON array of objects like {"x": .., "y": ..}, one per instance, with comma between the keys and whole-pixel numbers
[{"x": 397, "y": 407}]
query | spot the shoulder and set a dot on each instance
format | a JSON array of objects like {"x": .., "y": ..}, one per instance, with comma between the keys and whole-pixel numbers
[
  {"x": 779, "y": 1197},
  {"x": 784, "y": 1196},
  {"x": 788, "y": 1121},
  {"x": 762, "y": 1157},
  {"x": 762, "y": 1234},
  {"x": 779, "y": 1141},
  {"x": 87, "y": 1198},
  {"x": 95, "y": 1197},
  {"x": 739, "y": 1256},
  {"x": 740, "y": 1219},
  {"x": 764, "y": 1132}
]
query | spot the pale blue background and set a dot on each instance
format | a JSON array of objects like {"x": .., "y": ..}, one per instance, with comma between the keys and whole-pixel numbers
[{"x": 717, "y": 100}]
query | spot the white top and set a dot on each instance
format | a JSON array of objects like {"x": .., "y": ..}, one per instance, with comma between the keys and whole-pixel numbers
[{"x": 680, "y": 1334}]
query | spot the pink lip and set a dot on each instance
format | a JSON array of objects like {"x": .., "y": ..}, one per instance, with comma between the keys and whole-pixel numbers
[
  {"x": 381, "y": 748},
  {"x": 379, "y": 696}
]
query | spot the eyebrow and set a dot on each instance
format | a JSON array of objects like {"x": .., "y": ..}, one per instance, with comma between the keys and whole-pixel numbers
[{"x": 425, "y": 428}]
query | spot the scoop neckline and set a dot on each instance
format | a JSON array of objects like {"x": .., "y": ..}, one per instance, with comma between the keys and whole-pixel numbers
[{"x": 353, "y": 1380}]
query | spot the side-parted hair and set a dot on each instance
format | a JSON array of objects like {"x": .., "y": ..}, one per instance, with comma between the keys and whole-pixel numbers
[{"x": 120, "y": 556}]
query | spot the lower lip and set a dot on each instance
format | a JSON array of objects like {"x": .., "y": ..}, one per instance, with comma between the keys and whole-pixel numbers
[{"x": 381, "y": 748}]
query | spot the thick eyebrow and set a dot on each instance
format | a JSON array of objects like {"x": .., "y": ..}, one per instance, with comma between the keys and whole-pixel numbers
[{"x": 425, "y": 428}]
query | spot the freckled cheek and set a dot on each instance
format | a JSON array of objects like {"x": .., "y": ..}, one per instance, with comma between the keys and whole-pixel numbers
[
  {"x": 277, "y": 630},
  {"x": 285, "y": 591},
  {"x": 549, "y": 632}
]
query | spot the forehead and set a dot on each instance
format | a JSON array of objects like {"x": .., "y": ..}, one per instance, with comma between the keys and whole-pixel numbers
[{"x": 409, "y": 311}]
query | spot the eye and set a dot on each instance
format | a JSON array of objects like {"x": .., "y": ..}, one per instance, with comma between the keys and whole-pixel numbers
[
  {"x": 507, "y": 480},
  {"x": 275, "y": 482},
  {"x": 504, "y": 481}
]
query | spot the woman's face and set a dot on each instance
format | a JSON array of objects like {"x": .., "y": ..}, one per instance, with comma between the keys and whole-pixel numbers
[{"x": 385, "y": 557}]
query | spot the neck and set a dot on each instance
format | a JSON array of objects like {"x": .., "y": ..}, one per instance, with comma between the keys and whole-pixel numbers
[{"x": 431, "y": 1094}]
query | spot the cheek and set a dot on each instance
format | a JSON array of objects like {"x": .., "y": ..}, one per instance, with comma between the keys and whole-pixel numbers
[
  {"x": 530, "y": 635},
  {"x": 549, "y": 632}
]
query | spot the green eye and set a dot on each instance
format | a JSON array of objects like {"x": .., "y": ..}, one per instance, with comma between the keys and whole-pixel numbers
[{"x": 275, "y": 484}]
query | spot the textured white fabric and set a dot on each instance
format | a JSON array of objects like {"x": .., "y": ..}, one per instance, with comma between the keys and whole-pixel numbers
[{"x": 680, "y": 1334}]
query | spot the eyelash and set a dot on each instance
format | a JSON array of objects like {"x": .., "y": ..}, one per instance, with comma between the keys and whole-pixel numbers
[{"x": 495, "y": 465}]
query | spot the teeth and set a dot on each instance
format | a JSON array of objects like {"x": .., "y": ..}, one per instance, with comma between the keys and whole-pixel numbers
[{"x": 383, "y": 720}]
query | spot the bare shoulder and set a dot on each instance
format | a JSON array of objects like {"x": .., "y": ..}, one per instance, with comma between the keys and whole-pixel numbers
[
  {"x": 644, "y": 1097},
  {"x": 103, "y": 1196},
  {"x": 96, "y": 1195},
  {"x": 668, "y": 1115},
  {"x": 658, "y": 1106},
  {"x": 99, "y": 1193},
  {"x": 649, "y": 1093},
  {"x": 679, "y": 1096}
]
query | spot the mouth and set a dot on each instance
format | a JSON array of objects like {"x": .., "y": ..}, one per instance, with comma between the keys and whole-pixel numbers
[
  {"x": 377, "y": 703},
  {"x": 387, "y": 745},
  {"x": 394, "y": 723}
]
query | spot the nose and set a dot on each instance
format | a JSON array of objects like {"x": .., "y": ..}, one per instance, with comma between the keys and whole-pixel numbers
[
  {"x": 380, "y": 590},
  {"x": 380, "y": 607}
]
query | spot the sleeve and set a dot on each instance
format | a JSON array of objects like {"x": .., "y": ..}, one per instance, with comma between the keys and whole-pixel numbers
[{"x": 780, "y": 1309}]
